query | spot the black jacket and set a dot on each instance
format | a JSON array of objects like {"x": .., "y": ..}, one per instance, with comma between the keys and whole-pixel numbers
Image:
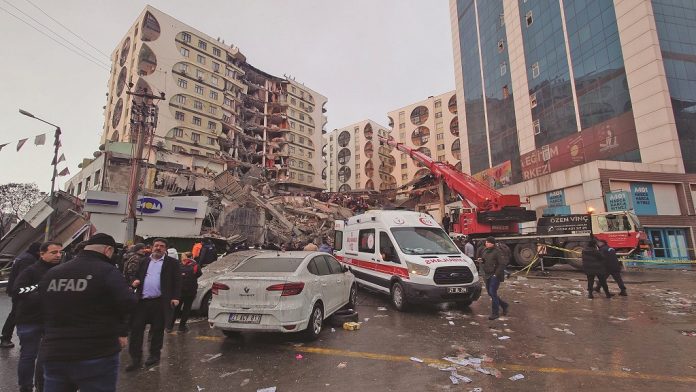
[
  {"x": 26, "y": 292},
  {"x": 170, "y": 278},
  {"x": 610, "y": 258},
  {"x": 19, "y": 264},
  {"x": 593, "y": 262},
  {"x": 189, "y": 278},
  {"x": 494, "y": 263},
  {"x": 85, "y": 305}
]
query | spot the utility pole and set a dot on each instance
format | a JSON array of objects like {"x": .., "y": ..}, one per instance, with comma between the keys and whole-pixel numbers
[{"x": 143, "y": 123}]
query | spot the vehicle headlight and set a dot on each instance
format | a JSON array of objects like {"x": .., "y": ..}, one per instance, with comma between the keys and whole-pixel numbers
[{"x": 418, "y": 269}]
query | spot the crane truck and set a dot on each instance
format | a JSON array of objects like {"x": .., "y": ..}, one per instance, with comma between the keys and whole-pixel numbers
[{"x": 486, "y": 212}]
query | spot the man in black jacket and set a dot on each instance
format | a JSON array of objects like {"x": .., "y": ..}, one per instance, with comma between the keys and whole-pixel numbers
[
  {"x": 29, "y": 317},
  {"x": 22, "y": 261},
  {"x": 158, "y": 287},
  {"x": 494, "y": 264},
  {"x": 85, "y": 302},
  {"x": 613, "y": 265},
  {"x": 190, "y": 272}
]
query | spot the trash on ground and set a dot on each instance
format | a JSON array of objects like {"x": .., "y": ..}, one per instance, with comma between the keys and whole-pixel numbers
[
  {"x": 200, "y": 388},
  {"x": 382, "y": 309},
  {"x": 626, "y": 369},
  {"x": 688, "y": 333},
  {"x": 476, "y": 390},
  {"x": 223, "y": 375},
  {"x": 244, "y": 382},
  {"x": 269, "y": 389},
  {"x": 575, "y": 292},
  {"x": 211, "y": 357},
  {"x": 459, "y": 377},
  {"x": 474, "y": 323},
  {"x": 298, "y": 356},
  {"x": 342, "y": 365},
  {"x": 351, "y": 326},
  {"x": 414, "y": 359},
  {"x": 504, "y": 338},
  {"x": 565, "y": 359},
  {"x": 333, "y": 329},
  {"x": 367, "y": 319},
  {"x": 451, "y": 322},
  {"x": 537, "y": 355},
  {"x": 565, "y": 330},
  {"x": 516, "y": 377}
]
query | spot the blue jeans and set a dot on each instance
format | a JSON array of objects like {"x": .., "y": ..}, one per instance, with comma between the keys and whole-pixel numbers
[
  {"x": 492, "y": 285},
  {"x": 29, "y": 341},
  {"x": 91, "y": 375}
]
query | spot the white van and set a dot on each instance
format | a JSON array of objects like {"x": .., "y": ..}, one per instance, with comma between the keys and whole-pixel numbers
[{"x": 408, "y": 255}]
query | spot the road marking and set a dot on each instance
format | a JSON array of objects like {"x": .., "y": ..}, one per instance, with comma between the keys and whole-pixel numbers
[{"x": 513, "y": 367}]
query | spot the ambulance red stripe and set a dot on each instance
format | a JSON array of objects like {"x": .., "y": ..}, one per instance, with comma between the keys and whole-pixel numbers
[{"x": 371, "y": 265}]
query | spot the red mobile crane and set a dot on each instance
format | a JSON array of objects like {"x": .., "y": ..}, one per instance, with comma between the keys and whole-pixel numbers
[{"x": 491, "y": 213}]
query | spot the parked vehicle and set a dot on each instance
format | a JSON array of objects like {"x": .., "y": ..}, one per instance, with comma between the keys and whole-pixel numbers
[
  {"x": 281, "y": 292},
  {"x": 486, "y": 212},
  {"x": 407, "y": 255}
]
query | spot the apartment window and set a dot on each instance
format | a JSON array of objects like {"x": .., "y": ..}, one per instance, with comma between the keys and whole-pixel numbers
[
  {"x": 211, "y": 141},
  {"x": 292, "y": 175},
  {"x": 438, "y": 114},
  {"x": 198, "y": 105},
  {"x": 228, "y": 102},
  {"x": 177, "y": 149},
  {"x": 503, "y": 68},
  {"x": 96, "y": 177},
  {"x": 309, "y": 154},
  {"x": 182, "y": 83},
  {"x": 186, "y": 37},
  {"x": 79, "y": 188},
  {"x": 291, "y": 137},
  {"x": 301, "y": 177},
  {"x": 199, "y": 74},
  {"x": 213, "y": 94},
  {"x": 292, "y": 124},
  {"x": 195, "y": 137},
  {"x": 537, "y": 127},
  {"x": 199, "y": 89},
  {"x": 212, "y": 125},
  {"x": 292, "y": 150},
  {"x": 440, "y": 158},
  {"x": 178, "y": 132},
  {"x": 506, "y": 92},
  {"x": 301, "y": 140},
  {"x": 402, "y": 116},
  {"x": 196, "y": 121},
  {"x": 302, "y": 116},
  {"x": 214, "y": 81},
  {"x": 310, "y": 130},
  {"x": 212, "y": 110},
  {"x": 404, "y": 177},
  {"x": 181, "y": 99},
  {"x": 217, "y": 52},
  {"x": 533, "y": 100},
  {"x": 229, "y": 73},
  {"x": 226, "y": 118},
  {"x": 301, "y": 164},
  {"x": 216, "y": 67},
  {"x": 501, "y": 45},
  {"x": 440, "y": 136},
  {"x": 302, "y": 105},
  {"x": 294, "y": 90},
  {"x": 184, "y": 52},
  {"x": 402, "y": 125},
  {"x": 179, "y": 116},
  {"x": 404, "y": 165},
  {"x": 195, "y": 152},
  {"x": 535, "y": 70},
  {"x": 87, "y": 182},
  {"x": 203, "y": 45},
  {"x": 183, "y": 68},
  {"x": 293, "y": 101},
  {"x": 309, "y": 178},
  {"x": 440, "y": 147},
  {"x": 530, "y": 18},
  {"x": 502, "y": 19},
  {"x": 438, "y": 103}
]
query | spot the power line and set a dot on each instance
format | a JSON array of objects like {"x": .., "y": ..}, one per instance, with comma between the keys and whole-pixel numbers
[
  {"x": 100, "y": 65},
  {"x": 66, "y": 28},
  {"x": 57, "y": 34}
]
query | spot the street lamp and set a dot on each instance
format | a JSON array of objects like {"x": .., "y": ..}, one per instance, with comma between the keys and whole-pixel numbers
[{"x": 56, "y": 145}]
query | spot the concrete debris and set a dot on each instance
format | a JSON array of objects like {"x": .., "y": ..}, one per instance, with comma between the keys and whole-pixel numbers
[
  {"x": 211, "y": 357},
  {"x": 537, "y": 355},
  {"x": 516, "y": 377},
  {"x": 504, "y": 338},
  {"x": 244, "y": 382},
  {"x": 476, "y": 390},
  {"x": 269, "y": 389},
  {"x": 575, "y": 292},
  {"x": 223, "y": 375},
  {"x": 342, "y": 365},
  {"x": 565, "y": 330},
  {"x": 414, "y": 359},
  {"x": 199, "y": 388}
]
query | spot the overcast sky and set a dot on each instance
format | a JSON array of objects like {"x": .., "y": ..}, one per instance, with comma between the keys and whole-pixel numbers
[{"x": 367, "y": 56}]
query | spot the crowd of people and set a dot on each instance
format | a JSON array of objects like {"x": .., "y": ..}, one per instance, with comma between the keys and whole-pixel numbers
[{"x": 74, "y": 314}]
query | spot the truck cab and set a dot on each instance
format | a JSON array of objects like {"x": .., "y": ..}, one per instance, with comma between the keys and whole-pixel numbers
[{"x": 407, "y": 255}]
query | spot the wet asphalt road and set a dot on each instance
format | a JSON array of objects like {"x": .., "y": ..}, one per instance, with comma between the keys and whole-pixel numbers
[{"x": 619, "y": 344}]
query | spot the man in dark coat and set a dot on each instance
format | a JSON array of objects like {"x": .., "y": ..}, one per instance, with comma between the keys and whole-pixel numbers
[
  {"x": 190, "y": 272},
  {"x": 594, "y": 266},
  {"x": 446, "y": 223},
  {"x": 613, "y": 265},
  {"x": 85, "y": 304},
  {"x": 158, "y": 287},
  {"x": 24, "y": 260},
  {"x": 494, "y": 264},
  {"x": 30, "y": 328}
]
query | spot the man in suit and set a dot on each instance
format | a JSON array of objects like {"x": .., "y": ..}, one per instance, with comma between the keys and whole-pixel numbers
[{"x": 158, "y": 287}]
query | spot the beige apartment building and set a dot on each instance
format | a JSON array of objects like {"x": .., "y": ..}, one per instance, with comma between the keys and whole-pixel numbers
[
  {"x": 219, "y": 111},
  {"x": 430, "y": 126},
  {"x": 356, "y": 160}
]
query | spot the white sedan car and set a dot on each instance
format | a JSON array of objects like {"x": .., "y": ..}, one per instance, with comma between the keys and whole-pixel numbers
[{"x": 281, "y": 292}]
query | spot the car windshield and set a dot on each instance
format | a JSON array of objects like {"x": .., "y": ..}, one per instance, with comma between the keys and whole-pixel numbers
[
  {"x": 423, "y": 241},
  {"x": 270, "y": 264}
]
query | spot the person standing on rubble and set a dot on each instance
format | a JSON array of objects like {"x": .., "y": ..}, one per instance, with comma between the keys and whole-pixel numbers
[
  {"x": 494, "y": 272},
  {"x": 594, "y": 265},
  {"x": 613, "y": 266}
]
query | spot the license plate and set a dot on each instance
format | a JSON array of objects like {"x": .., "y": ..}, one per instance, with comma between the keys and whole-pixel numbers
[
  {"x": 456, "y": 290},
  {"x": 245, "y": 318}
]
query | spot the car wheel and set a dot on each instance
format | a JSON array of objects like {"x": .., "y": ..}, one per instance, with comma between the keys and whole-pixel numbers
[
  {"x": 398, "y": 297},
  {"x": 343, "y": 316},
  {"x": 231, "y": 334},
  {"x": 316, "y": 320},
  {"x": 574, "y": 258},
  {"x": 205, "y": 304},
  {"x": 352, "y": 297}
]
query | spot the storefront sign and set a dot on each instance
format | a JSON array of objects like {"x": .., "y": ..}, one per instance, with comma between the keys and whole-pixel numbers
[
  {"x": 643, "y": 198},
  {"x": 555, "y": 198},
  {"x": 618, "y": 201},
  {"x": 569, "y": 224}
]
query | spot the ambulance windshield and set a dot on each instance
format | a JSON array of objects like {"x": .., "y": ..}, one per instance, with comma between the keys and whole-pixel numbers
[{"x": 423, "y": 241}]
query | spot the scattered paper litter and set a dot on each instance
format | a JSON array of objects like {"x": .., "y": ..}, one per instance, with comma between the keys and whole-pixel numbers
[
  {"x": 382, "y": 308},
  {"x": 298, "y": 356},
  {"x": 476, "y": 390},
  {"x": 565, "y": 330},
  {"x": 200, "y": 388},
  {"x": 537, "y": 355},
  {"x": 211, "y": 357},
  {"x": 269, "y": 389},
  {"x": 333, "y": 329},
  {"x": 342, "y": 365},
  {"x": 575, "y": 292},
  {"x": 454, "y": 380},
  {"x": 516, "y": 377},
  {"x": 474, "y": 323},
  {"x": 414, "y": 359},
  {"x": 626, "y": 369},
  {"x": 459, "y": 377},
  {"x": 244, "y": 382},
  {"x": 367, "y": 319},
  {"x": 223, "y": 375},
  {"x": 457, "y": 361},
  {"x": 451, "y": 322},
  {"x": 504, "y": 338}
]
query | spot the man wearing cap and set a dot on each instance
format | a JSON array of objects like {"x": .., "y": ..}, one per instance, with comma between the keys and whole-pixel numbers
[
  {"x": 85, "y": 304},
  {"x": 158, "y": 287},
  {"x": 494, "y": 271}
]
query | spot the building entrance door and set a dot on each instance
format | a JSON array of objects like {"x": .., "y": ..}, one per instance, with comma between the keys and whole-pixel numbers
[{"x": 669, "y": 243}]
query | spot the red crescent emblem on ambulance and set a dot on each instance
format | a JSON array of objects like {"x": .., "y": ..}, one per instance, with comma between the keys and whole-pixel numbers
[{"x": 425, "y": 221}]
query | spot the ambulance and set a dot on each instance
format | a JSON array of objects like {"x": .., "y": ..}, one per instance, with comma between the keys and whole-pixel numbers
[{"x": 407, "y": 255}]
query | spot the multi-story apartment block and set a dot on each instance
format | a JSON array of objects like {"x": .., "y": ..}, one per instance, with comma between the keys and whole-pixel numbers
[
  {"x": 583, "y": 105},
  {"x": 356, "y": 160},
  {"x": 431, "y": 126},
  {"x": 219, "y": 111}
]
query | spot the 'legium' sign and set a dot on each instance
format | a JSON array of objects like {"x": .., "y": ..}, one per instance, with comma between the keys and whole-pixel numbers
[{"x": 559, "y": 225}]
